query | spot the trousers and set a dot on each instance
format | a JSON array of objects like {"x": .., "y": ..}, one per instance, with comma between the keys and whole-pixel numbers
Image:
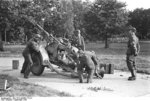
[{"x": 27, "y": 65}]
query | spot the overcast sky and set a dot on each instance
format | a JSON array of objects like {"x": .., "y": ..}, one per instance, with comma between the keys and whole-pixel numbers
[{"x": 133, "y": 4}]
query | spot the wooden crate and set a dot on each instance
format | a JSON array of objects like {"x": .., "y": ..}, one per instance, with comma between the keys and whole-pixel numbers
[
  {"x": 109, "y": 68},
  {"x": 3, "y": 84},
  {"x": 15, "y": 64}
]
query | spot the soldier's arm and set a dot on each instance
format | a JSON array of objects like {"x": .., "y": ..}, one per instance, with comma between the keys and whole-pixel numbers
[
  {"x": 83, "y": 43},
  {"x": 95, "y": 59},
  {"x": 138, "y": 47},
  {"x": 134, "y": 46}
]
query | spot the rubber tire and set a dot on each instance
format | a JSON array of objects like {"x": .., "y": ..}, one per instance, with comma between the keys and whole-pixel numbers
[{"x": 37, "y": 68}]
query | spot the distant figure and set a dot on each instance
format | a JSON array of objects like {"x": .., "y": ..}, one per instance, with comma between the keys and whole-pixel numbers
[
  {"x": 31, "y": 47},
  {"x": 132, "y": 52},
  {"x": 78, "y": 40}
]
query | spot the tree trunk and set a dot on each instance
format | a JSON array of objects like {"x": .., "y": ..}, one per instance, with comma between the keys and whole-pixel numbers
[
  {"x": 106, "y": 41},
  {"x": 5, "y": 35},
  {"x": 1, "y": 46},
  {"x": 1, "y": 43}
]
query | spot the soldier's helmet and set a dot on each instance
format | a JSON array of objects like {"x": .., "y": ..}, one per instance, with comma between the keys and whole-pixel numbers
[{"x": 132, "y": 28}]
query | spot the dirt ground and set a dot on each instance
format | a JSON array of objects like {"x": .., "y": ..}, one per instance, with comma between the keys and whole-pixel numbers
[{"x": 112, "y": 85}]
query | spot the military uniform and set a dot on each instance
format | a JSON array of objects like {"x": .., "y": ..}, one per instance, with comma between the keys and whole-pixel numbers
[
  {"x": 31, "y": 47},
  {"x": 88, "y": 62},
  {"x": 81, "y": 43},
  {"x": 78, "y": 41},
  {"x": 132, "y": 52}
]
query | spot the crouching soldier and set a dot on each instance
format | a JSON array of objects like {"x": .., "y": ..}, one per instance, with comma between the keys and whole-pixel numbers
[
  {"x": 31, "y": 47},
  {"x": 132, "y": 52},
  {"x": 88, "y": 63}
]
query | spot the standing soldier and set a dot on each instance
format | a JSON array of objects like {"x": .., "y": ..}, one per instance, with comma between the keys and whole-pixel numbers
[
  {"x": 132, "y": 52},
  {"x": 31, "y": 47},
  {"x": 78, "y": 40}
]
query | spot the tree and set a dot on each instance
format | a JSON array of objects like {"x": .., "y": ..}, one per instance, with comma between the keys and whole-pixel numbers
[
  {"x": 55, "y": 16},
  {"x": 59, "y": 18},
  {"x": 140, "y": 19},
  {"x": 68, "y": 17},
  {"x": 79, "y": 9},
  {"x": 37, "y": 11},
  {"x": 106, "y": 18},
  {"x": 5, "y": 15}
]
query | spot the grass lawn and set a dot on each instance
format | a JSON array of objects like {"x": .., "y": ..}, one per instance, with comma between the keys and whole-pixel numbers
[{"x": 115, "y": 54}]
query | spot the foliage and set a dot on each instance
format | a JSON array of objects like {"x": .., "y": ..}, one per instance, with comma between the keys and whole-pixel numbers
[
  {"x": 5, "y": 19},
  {"x": 67, "y": 17},
  {"x": 105, "y": 18},
  {"x": 39, "y": 11},
  {"x": 140, "y": 19},
  {"x": 54, "y": 15},
  {"x": 97, "y": 21},
  {"x": 79, "y": 9}
]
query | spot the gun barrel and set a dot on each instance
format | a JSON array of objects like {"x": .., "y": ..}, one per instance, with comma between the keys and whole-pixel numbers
[
  {"x": 47, "y": 32},
  {"x": 34, "y": 23}
]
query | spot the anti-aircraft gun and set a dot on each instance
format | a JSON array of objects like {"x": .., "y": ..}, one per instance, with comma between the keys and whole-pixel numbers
[{"x": 46, "y": 58}]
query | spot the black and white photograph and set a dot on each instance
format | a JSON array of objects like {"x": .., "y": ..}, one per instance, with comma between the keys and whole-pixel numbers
[{"x": 78, "y": 49}]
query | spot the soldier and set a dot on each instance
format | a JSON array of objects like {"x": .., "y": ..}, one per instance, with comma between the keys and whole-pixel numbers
[
  {"x": 88, "y": 62},
  {"x": 78, "y": 41},
  {"x": 31, "y": 47},
  {"x": 132, "y": 52}
]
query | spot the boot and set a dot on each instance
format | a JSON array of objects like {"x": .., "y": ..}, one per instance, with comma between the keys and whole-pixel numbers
[
  {"x": 22, "y": 72},
  {"x": 26, "y": 77},
  {"x": 27, "y": 72},
  {"x": 133, "y": 77}
]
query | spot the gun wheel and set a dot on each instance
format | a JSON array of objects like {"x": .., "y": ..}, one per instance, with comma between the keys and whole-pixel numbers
[{"x": 37, "y": 68}]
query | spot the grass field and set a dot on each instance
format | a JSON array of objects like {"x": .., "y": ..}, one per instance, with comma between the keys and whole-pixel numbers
[{"x": 115, "y": 54}]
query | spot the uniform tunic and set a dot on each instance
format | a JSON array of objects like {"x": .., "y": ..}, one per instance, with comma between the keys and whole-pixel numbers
[
  {"x": 31, "y": 47},
  {"x": 132, "y": 52}
]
